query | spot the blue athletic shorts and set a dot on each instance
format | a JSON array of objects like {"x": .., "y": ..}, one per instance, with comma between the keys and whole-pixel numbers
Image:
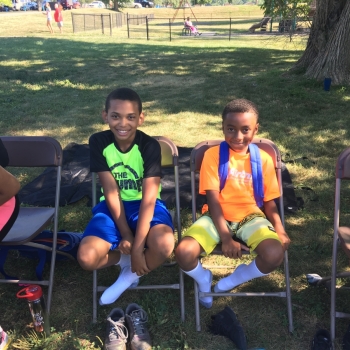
[{"x": 102, "y": 224}]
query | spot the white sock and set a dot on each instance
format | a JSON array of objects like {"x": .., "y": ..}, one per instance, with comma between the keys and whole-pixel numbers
[
  {"x": 204, "y": 278},
  {"x": 124, "y": 281},
  {"x": 124, "y": 261},
  {"x": 243, "y": 273}
]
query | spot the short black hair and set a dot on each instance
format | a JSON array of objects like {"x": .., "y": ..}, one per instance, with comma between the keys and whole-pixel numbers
[
  {"x": 124, "y": 94},
  {"x": 240, "y": 106}
]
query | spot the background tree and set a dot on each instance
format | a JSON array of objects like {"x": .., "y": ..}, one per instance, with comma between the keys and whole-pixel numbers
[
  {"x": 7, "y": 2},
  {"x": 327, "y": 50}
]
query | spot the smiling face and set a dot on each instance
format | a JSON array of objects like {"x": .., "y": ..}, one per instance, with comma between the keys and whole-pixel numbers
[
  {"x": 123, "y": 118},
  {"x": 239, "y": 130}
]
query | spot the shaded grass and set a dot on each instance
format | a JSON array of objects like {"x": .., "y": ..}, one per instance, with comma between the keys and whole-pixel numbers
[{"x": 56, "y": 87}]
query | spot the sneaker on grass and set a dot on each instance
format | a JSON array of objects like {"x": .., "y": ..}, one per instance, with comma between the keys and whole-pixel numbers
[
  {"x": 136, "y": 319},
  {"x": 116, "y": 332}
]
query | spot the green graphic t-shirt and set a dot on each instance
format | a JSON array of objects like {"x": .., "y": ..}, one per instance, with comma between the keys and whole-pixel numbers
[{"x": 141, "y": 160}]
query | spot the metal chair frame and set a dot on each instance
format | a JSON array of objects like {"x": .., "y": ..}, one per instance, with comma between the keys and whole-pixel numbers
[
  {"x": 34, "y": 151},
  {"x": 170, "y": 158},
  {"x": 195, "y": 163},
  {"x": 342, "y": 173}
]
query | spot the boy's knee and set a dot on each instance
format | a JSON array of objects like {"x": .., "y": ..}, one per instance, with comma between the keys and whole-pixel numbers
[
  {"x": 164, "y": 246},
  {"x": 184, "y": 253},
  {"x": 87, "y": 258},
  {"x": 271, "y": 252}
]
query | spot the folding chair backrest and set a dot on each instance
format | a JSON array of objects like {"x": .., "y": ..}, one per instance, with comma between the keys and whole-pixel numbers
[
  {"x": 343, "y": 165},
  {"x": 32, "y": 151}
]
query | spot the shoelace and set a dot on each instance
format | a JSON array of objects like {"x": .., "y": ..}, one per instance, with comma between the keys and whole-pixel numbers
[
  {"x": 139, "y": 317},
  {"x": 119, "y": 330}
]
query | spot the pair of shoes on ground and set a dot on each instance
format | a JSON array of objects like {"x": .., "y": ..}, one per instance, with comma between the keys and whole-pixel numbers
[
  {"x": 128, "y": 327},
  {"x": 226, "y": 323},
  {"x": 322, "y": 340}
]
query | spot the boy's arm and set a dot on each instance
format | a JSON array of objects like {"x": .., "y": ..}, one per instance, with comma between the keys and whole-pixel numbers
[
  {"x": 115, "y": 206},
  {"x": 230, "y": 248},
  {"x": 150, "y": 188},
  {"x": 273, "y": 216}
]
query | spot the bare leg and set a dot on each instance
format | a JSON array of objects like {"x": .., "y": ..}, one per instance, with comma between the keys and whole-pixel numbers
[
  {"x": 160, "y": 244},
  {"x": 270, "y": 256},
  {"x": 94, "y": 253},
  {"x": 187, "y": 254}
]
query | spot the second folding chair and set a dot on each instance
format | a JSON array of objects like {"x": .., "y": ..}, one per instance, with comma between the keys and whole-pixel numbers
[
  {"x": 196, "y": 160},
  {"x": 170, "y": 157}
]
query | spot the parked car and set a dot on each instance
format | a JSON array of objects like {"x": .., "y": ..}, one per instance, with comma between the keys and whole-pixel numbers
[
  {"x": 17, "y": 4},
  {"x": 133, "y": 4},
  {"x": 76, "y": 5},
  {"x": 66, "y": 4},
  {"x": 97, "y": 4},
  {"x": 5, "y": 8},
  {"x": 29, "y": 6},
  {"x": 145, "y": 3}
]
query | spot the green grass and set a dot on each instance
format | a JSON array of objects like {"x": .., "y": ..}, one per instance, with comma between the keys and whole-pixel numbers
[{"x": 56, "y": 86}]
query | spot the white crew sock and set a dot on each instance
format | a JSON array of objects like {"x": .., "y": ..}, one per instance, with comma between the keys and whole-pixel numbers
[
  {"x": 124, "y": 281},
  {"x": 125, "y": 261},
  {"x": 204, "y": 278},
  {"x": 243, "y": 273}
]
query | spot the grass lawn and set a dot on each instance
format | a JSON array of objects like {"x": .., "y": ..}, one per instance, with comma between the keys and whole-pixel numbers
[{"x": 55, "y": 85}]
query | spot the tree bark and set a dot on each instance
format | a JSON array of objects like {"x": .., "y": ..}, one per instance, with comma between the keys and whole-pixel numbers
[{"x": 327, "y": 52}]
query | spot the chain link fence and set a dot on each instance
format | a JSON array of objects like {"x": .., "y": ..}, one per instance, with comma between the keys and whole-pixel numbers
[
  {"x": 150, "y": 28},
  {"x": 104, "y": 22}
]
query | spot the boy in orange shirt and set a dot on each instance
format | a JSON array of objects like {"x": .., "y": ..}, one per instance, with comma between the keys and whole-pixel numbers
[{"x": 233, "y": 211}]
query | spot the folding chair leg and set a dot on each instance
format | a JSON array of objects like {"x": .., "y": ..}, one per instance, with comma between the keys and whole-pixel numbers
[
  {"x": 94, "y": 296},
  {"x": 182, "y": 295},
  {"x": 288, "y": 293},
  {"x": 196, "y": 307}
]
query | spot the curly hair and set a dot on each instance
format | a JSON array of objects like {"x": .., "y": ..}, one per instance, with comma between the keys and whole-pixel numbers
[{"x": 240, "y": 106}]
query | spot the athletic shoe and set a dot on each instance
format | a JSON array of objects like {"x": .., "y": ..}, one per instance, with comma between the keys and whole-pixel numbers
[
  {"x": 226, "y": 323},
  {"x": 116, "y": 332},
  {"x": 322, "y": 340},
  {"x": 346, "y": 339},
  {"x": 136, "y": 318}
]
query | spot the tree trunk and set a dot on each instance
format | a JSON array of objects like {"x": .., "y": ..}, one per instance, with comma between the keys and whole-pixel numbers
[{"x": 327, "y": 50}]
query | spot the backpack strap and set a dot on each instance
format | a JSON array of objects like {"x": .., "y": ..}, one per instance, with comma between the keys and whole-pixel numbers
[
  {"x": 255, "y": 162},
  {"x": 258, "y": 181},
  {"x": 224, "y": 156}
]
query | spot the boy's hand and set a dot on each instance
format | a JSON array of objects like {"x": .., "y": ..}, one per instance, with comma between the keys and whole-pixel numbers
[
  {"x": 125, "y": 245},
  {"x": 232, "y": 249},
  {"x": 138, "y": 263},
  {"x": 285, "y": 240}
]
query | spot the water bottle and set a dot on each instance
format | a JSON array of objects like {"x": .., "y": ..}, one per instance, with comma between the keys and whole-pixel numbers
[{"x": 36, "y": 303}]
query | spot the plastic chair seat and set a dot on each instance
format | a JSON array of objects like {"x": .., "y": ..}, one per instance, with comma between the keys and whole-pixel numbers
[{"x": 29, "y": 223}]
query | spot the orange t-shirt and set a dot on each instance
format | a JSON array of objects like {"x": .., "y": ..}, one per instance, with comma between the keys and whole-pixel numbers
[{"x": 237, "y": 197}]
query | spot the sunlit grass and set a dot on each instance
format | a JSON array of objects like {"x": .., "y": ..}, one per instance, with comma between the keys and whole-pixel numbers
[{"x": 56, "y": 86}]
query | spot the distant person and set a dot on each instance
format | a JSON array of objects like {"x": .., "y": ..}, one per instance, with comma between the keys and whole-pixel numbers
[
  {"x": 191, "y": 27},
  {"x": 48, "y": 16},
  {"x": 58, "y": 17}
]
